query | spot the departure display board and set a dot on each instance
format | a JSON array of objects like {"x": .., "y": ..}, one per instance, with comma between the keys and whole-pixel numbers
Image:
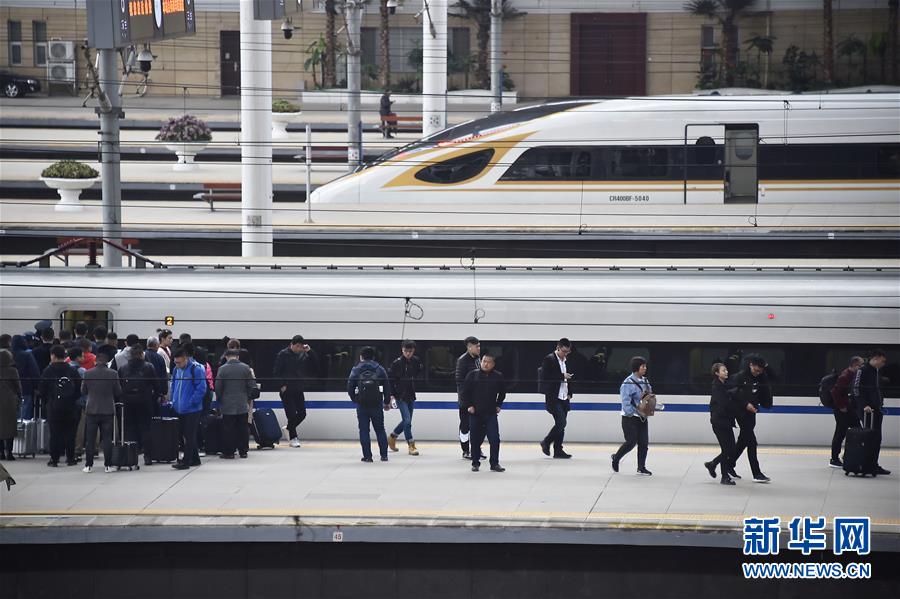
[{"x": 119, "y": 23}]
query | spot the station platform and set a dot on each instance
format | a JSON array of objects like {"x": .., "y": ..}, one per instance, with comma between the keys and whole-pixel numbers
[{"x": 321, "y": 492}]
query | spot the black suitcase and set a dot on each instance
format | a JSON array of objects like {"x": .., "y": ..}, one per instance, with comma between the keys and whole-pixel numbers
[
  {"x": 265, "y": 428},
  {"x": 860, "y": 448},
  {"x": 163, "y": 440},
  {"x": 124, "y": 453},
  {"x": 214, "y": 435}
]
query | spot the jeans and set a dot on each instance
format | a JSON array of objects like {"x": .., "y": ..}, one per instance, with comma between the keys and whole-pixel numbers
[
  {"x": 725, "y": 437},
  {"x": 481, "y": 426},
  {"x": 558, "y": 432},
  {"x": 294, "y": 410},
  {"x": 375, "y": 416},
  {"x": 842, "y": 421},
  {"x": 235, "y": 434},
  {"x": 406, "y": 412},
  {"x": 93, "y": 423},
  {"x": 187, "y": 428},
  {"x": 637, "y": 432}
]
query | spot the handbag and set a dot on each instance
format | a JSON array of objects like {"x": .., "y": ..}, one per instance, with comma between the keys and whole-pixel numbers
[{"x": 646, "y": 406}]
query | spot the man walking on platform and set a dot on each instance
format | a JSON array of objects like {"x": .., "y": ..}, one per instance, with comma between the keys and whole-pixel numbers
[
  {"x": 752, "y": 390},
  {"x": 483, "y": 393},
  {"x": 557, "y": 390},
  {"x": 292, "y": 365},
  {"x": 369, "y": 388},
  {"x": 403, "y": 373},
  {"x": 466, "y": 363}
]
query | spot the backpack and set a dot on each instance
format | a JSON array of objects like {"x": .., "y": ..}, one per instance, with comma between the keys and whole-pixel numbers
[
  {"x": 368, "y": 391},
  {"x": 132, "y": 386},
  {"x": 825, "y": 386}
]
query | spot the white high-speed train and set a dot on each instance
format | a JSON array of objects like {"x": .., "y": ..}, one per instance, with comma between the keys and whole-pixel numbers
[
  {"x": 803, "y": 321},
  {"x": 840, "y": 148}
]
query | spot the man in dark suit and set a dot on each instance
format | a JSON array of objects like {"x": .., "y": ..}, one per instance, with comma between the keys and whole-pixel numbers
[
  {"x": 557, "y": 389},
  {"x": 466, "y": 363}
]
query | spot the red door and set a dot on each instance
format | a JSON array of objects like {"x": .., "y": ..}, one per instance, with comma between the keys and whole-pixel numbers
[{"x": 609, "y": 54}]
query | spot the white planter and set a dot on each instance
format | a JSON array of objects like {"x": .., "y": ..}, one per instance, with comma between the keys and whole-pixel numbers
[
  {"x": 280, "y": 121},
  {"x": 185, "y": 152},
  {"x": 69, "y": 191}
]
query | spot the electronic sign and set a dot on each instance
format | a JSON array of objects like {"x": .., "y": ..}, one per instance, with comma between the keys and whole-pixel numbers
[{"x": 120, "y": 23}]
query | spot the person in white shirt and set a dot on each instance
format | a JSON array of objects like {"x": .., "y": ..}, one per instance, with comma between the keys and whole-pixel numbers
[
  {"x": 555, "y": 384},
  {"x": 165, "y": 348}
]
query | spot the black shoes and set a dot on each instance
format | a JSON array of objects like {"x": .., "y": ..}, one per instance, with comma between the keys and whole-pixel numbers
[
  {"x": 881, "y": 471},
  {"x": 712, "y": 471},
  {"x": 761, "y": 478},
  {"x": 562, "y": 455},
  {"x": 497, "y": 468},
  {"x": 384, "y": 458},
  {"x": 226, "y": 456},
  {"x": 365, "y": 459},
  {"x": 726, "y": 480},
  {"x": 545, "y": 447},
  {"x": 644, "y": 472},
  {"x": 734, "y": 474},
  {"x": 836, "y": 463},
  {"x": 476, "y": 467},
  {"x": 243, "y": 456},
  {"x": 615, "y": 463},
  {"x": 53, "y": 464},
  {"x": 180, "y": 466},
  {"x": 467, "y": 455}
]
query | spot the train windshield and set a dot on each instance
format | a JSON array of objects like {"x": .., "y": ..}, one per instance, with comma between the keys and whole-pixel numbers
[{"x": 479, "y": 126}]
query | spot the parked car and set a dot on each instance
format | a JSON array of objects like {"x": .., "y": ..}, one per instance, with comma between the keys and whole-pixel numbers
[{"x": 15, "y": 86}]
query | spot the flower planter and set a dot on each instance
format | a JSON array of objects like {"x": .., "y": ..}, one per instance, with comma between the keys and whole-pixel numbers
[
  {"x": 280, "y": 121},
  {"x": 69, "y": 191},
  {"x": 185, "y": 151}
]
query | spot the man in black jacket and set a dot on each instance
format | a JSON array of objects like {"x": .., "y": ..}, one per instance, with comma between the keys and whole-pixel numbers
[
  {"x": 403, "y": 373},
  {"x": 292, "y": 365},
  {"x": 867, "y": 399},
  {"x": 59, "y": 391},
  {"x": 483, "y": 393},
  {"x": 141, "y": 390},
  {"x": 466, "y": 363},
  {"x": 557, "y": 389},
  {"x": 751, "y": 390}
]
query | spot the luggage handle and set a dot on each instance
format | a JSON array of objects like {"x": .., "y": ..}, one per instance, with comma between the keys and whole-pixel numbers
[
  {"x": 871, "y": 416},
  {"x": 122, "y": 407}
]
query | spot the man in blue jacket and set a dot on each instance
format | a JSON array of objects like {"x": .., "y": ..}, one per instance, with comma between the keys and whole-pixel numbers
[
  {"x": 369, "y": 388},
  {"x": 186, "y": 394}
]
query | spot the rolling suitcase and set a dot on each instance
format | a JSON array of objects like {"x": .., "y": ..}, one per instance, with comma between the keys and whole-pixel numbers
[
  {"x": 32, "y": 435},
  {"x": 124, "y": 453},
  {"x": 163, "y": 440},
  {"x": 214, "y": 441},
  {"x": 859, "y": 449},
  {"x": 265, "y": 428}
]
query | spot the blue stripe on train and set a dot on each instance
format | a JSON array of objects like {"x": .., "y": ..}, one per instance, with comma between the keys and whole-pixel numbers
[{"x": 579, "y": 407}]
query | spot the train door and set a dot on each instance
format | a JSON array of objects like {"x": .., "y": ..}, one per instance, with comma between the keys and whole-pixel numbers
[
  {"x": 741, "y": 164},
  {"x": 92, "y": 318}
]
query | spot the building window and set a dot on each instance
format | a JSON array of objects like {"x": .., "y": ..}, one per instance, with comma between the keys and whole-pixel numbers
[
  {"x": 14, "y": 31},
  {"x": 39, "y": 37},
  {"x": 707, "y": 46}
]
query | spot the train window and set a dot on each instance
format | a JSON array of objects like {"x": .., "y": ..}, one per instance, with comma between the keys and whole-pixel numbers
[
  {"x": 456, "y": 170},
  {"x": 93, "y": 318},
  {"x": 642, "y": 162},
  {"x": 551, "y": 163},
  {"x": 338, "y": 359},
  {"x": 440, "y": 365},
  {"x": 701, "y": 360},
  {"x": 888, "y": 161},
  {"x": 599, "y": 367},
  {"x": 506, "y": 361}
]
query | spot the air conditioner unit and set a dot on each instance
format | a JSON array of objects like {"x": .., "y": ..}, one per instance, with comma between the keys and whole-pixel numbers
[
  {"x": 58, "y": 50},
  {"x": 61, "y": 72}
]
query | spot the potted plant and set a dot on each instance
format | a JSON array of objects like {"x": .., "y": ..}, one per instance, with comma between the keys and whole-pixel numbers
[
  {"x": 186, "y": 136},
  {"x": 69, "y": 178},
  {"x": 283, "y": 112}
]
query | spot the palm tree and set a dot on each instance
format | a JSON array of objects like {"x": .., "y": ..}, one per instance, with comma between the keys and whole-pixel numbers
[
  {"x": 479, "y": 11},
  {"x": 329, "y": 77},
  {"x": 316, "y": 53},
  {"x": 727, "y": 13},
  {"x": 385, "y": 46},
  {"x": 763, "y": 44},
  {"x": 828, "y": 41}
]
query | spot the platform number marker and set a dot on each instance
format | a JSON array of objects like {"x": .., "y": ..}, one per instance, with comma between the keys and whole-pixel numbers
[
  {"x": 170, "y": 321},
  {"x": 337, "y": 536}
]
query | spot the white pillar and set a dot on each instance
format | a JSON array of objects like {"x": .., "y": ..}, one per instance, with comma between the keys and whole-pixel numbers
[
  {"x": 353, "y": 11},
  {"x": 434, "y": 67},
  {"x": 496, "y": 49},
  {"x": 256, "y": 134}
]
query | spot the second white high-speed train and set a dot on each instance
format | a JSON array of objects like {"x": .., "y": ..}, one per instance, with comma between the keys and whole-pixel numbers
[
  {"x": 803, "y": 321},
  {"x": 771, "y": 149}
]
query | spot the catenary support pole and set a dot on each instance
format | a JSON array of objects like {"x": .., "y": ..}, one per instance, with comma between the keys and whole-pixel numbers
[
  {"x": 256, "y": 134},
  {"x": 496, "y": 49},
  {"x": 110, "y": 164},
  {"x": 434, "y": 67},
  {"x": 353, "y": 16}
]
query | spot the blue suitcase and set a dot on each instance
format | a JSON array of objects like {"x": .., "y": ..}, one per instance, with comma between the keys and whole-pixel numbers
[{"x": 265, "y": 428}]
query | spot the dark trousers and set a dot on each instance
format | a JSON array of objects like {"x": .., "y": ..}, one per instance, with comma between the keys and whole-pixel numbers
[
  {"x": 637, "y": 433},
  {"x": 747, "y": 440},
  {"x": 842, "y": 421},
  {"x": 725, "y": 437},
  {"x": 62, "y": 437},
  {"x": 294, "y": 404},
  {"x": 138, "y": 415},
  {"x": 187, "y": 429},
  {"x": 375, "y": 416},
  {"x": 93, "y": 423},
  {"x": 558, "y": 432},
  {"x": 464, "y": 428},
  {"x": 235, "y": 433},
  {"x": 204, "y": 412},
  {"x": 482, "y": 426}
]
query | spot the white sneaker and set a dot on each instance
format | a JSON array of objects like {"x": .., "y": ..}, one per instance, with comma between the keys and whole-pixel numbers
[
  {"x": 87, "y": 469},
  {"x": 202, "y": 454},
  {"x": 110, "y": 469},
  {"x": 295, "y": 442}
]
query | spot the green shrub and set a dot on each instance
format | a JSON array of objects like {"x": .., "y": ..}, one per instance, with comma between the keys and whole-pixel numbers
[
  {"x": 282, "y": 105},
  {"x": 69, "y": 169}
]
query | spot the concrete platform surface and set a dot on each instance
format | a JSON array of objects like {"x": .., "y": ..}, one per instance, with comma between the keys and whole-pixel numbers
[{"x": 322, "y": 492}]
